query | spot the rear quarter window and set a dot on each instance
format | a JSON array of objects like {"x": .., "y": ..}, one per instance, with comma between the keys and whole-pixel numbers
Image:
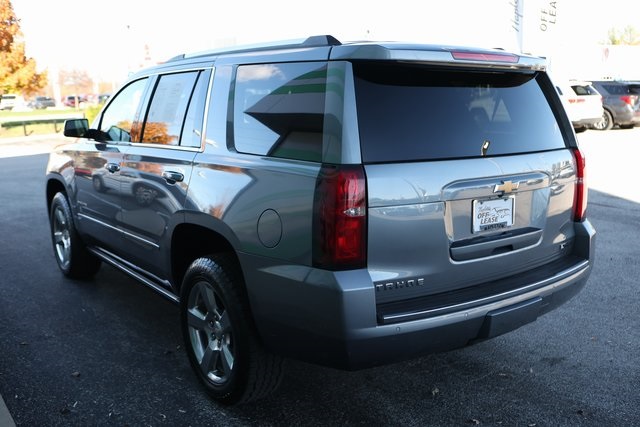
[
  {"x": 415, "y": 113},
  {"x": 278, "y": 110}
]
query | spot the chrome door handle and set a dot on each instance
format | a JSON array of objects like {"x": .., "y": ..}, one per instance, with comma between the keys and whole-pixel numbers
[
  {"x": 172, "y": 177},
  {"x": 112, "y": 167}
]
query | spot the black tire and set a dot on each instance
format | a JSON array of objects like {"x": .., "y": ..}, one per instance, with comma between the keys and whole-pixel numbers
[
  {"x": 73, "y": 258},
  {"x": 627, "y": 126},
  {"x": 606, "y": 123},
  {"x": 219, "y": 334},
  {"x": 98, "y": 184}
]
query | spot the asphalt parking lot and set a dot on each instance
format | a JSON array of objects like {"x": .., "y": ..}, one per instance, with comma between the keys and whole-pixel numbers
[{"x": 109, "y": 352}]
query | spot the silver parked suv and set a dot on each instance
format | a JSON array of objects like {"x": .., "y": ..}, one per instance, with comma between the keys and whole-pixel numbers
[{"x": 349, "y": 204}]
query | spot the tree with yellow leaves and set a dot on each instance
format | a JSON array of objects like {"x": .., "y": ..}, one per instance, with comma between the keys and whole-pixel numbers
[{"x": 17, "y": 72}]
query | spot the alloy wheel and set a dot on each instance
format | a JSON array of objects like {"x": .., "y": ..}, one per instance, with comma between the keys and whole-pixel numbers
[
  {"x": 210, "y": 333},
  {"x": 62, "y": 238}
]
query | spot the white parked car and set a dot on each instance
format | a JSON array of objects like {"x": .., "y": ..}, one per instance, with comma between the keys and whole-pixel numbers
[
  {"x": 10, "y": 101},
  {"x": 582, "y": 102}
]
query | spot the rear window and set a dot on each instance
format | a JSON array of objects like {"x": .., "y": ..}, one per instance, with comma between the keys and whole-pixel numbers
[
  {"x": 411, "y": 113},
  {"x": 584, "y": 90},
  {"x": 615, "y": 89}
]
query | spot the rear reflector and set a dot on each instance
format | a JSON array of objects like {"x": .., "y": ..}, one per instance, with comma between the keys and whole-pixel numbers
[
  {"x": 486, "y": 57},
  {"x": 340, "y": 218},
  {"x": 580, "y": 198}
]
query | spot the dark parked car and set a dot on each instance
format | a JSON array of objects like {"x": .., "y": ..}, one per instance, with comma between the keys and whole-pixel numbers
[
  {"x": 103, "y": 98},
  {"x": 70, "y": 100},
  {"x": 621, "y": 104},
  {"x": 42, "y": 102},
  {"x": 344, "y": 204}
]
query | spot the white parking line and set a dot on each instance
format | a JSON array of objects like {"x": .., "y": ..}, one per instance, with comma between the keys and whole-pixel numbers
[{"x": 5, "y": 416}]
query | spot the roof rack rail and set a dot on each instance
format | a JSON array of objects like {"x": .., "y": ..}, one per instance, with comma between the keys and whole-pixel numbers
[{"x": 313, "y": 41}]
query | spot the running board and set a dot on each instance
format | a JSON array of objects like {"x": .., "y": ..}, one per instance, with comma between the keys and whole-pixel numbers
[{"x": 113, "y": 260}]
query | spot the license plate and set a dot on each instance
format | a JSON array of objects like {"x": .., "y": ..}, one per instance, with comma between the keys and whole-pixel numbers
[{"x": 493, "y": 214}]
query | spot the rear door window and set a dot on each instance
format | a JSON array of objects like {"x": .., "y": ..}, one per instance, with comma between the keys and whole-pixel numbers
[
  {"x": 168, "y": 108},
  {"x": 414, "y": 113}
]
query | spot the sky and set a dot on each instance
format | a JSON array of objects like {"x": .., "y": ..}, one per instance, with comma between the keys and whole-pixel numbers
[{"x": 107, "y": 38}]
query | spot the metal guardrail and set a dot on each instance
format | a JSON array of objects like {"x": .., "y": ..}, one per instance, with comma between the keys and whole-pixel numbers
[{"x": 25, "y": 121}]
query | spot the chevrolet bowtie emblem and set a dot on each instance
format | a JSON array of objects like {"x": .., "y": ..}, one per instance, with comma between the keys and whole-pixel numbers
[{"x": 506, "y": 187}]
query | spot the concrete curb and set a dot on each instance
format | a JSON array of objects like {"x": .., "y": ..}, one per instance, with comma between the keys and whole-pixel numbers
[{"x": 5, "y": 416}]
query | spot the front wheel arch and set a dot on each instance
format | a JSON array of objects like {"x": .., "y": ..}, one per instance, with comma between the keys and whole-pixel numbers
[{"x": 71, "y": 253}]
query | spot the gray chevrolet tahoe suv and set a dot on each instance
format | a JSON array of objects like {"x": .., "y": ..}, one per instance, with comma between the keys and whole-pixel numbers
[{"x": 348, "y": 204}]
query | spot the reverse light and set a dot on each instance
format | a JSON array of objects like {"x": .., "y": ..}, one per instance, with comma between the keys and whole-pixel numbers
[
  {"x": 580, "y": 198},
  {"x": 340, "y": 218}
]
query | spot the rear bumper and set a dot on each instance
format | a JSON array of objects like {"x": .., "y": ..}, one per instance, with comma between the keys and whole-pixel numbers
[
  {"x": 626, "y": 117},
  {"x": 330, "y": 318},
  {"x": 461, "y": 328},
  {"x": 588, "y": 122}
]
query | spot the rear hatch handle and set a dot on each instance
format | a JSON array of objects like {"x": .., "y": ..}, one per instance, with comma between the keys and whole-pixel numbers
[{"x": 489, "y": 246}]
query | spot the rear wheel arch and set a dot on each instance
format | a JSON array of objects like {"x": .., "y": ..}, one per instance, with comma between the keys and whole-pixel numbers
[{"x": 191, "y": 241}]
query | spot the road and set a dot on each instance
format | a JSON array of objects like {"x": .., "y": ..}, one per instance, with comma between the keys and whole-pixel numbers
[{"x": 109, "y": 352}]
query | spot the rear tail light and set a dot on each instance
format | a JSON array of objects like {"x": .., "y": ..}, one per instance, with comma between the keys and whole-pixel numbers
[
  {"x": 340, "y": 218},
  {"x": 580, "y": 199},
  {"x": 629, "y": 99}
]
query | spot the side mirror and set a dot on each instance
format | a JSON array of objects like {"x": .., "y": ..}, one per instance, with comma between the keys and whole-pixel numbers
[{"x": 76, "y": 128}]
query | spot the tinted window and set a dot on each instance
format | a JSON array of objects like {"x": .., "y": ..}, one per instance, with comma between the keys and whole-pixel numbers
[
  {"x": 118, "y": 120},
  {"x": 584, "y": 90},
  {"x": 192, "y": 130},
  {"x": 410, "y": 113},
  {"x": 614, "y": 89},
  {"x": 168, "y": 107},
  {"x": 279, "y": 110}
]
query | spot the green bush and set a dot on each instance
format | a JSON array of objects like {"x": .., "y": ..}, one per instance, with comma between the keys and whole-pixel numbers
[{"x": 92, "y": 111}]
